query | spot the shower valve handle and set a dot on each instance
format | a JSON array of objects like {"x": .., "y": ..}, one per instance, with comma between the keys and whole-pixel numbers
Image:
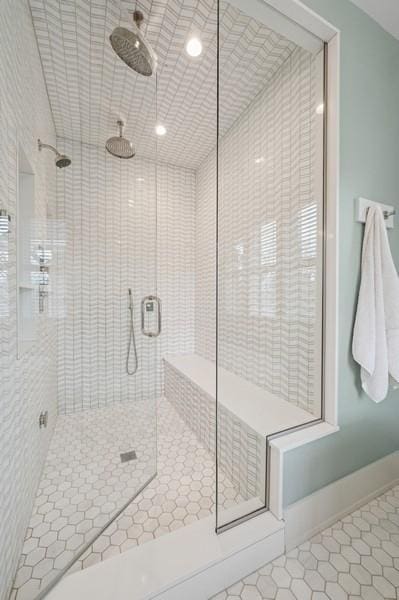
[{"x": 148, "y": 305}]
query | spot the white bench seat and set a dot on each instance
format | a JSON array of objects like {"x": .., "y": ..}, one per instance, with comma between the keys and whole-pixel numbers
[
  {"x": 264, "y": 412},
  {"x": 247, "y": 415}
]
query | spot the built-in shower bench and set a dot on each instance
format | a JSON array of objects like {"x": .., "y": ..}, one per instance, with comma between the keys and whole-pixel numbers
[{"x": 247, "y": 415}]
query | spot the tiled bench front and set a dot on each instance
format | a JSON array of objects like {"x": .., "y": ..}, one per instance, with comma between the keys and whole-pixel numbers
[{"x": 189, "y": 385}]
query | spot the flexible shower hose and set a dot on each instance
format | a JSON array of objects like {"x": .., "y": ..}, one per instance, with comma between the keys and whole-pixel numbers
[{"x": 132, "y": 340}]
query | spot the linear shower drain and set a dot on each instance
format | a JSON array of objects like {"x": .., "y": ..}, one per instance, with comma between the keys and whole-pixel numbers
[{"x": 126, "y": 456}]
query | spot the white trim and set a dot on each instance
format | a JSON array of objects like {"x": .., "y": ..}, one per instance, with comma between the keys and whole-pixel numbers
[
  {"x": 332, "y": 235},
  {"x": 292, "y": 19},
  {"x": 271, "y": 14},
  {"x": 314, "y": 513},
  {"x": 277, "y": 449},
  {"x": 191, "y": 562},
  {"x": 304, "y": 16}
]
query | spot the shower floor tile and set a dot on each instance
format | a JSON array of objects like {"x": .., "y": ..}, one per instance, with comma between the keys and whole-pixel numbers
[
  {"x": 84, "y": 483},
  {"x": 355, "y": 559},
  {"x": 182, "y": 492}
]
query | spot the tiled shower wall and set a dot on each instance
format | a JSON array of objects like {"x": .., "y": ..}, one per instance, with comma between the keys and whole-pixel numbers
[
  {"x": 269, "y": 211},
  {"x": 27, "y": 382},
  {"x": 112, "y": 217}
]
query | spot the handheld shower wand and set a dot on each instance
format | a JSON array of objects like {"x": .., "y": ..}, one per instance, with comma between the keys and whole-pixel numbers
[{"x": 132, "y": 339}]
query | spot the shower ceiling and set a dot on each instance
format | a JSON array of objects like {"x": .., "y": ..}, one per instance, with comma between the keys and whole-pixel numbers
[{"x": 90, "y": 87}]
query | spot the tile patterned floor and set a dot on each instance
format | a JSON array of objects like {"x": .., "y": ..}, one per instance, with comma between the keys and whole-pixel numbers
[
  {"x": 84, "y": 483},
  {"x": 355, "y": 559},
  {"x": 183, "y": 492}
]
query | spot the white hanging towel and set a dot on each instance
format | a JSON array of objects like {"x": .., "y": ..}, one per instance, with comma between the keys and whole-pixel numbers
[{"x": 375, "y": 343}]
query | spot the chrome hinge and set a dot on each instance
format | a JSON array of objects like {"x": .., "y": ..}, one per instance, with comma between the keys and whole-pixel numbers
[{"x": 43, "y": 419}]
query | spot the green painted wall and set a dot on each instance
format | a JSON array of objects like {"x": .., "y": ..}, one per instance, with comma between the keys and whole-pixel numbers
[{"x": 369, "y": 165}]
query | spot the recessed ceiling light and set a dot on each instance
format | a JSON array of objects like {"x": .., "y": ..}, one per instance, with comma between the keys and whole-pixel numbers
[
  {"x": 320, "y": 109},
  {"x": 160, "y": 129},
  {"x": 194, "y": 47},
  {"x": 259, "y": 160},
  {"x": 140, "y": 179}
]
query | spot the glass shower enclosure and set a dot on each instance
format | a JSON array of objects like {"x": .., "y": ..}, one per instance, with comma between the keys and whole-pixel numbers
[{"x": 186, "y": 282}]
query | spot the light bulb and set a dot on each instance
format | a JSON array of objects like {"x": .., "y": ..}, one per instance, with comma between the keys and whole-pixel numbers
[
  {"x": 160, "y": 129},
  {"x": 194, "y": 47}
]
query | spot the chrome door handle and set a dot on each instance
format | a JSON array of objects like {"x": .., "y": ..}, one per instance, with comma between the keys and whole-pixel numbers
[{"x": 147, "y": 306}]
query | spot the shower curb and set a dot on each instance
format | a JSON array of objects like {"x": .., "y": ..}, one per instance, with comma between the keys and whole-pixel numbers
[{"x": 192, "y": 562}]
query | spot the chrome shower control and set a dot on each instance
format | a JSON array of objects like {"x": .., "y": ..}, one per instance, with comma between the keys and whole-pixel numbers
[{"x": 151, "y": 317}]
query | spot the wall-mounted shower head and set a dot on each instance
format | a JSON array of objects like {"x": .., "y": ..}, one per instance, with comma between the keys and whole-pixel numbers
[
  {"x": 61, "y": 160},
  {"x": 132, "y": 47},
  {"x": 119, "y": 146}
]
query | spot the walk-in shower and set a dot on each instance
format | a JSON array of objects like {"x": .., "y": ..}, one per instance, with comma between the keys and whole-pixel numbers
[{"x": 183, "y": 322}]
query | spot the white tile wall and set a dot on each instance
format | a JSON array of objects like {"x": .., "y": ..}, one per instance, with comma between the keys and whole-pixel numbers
[
  {"x": 205, "y": 259},
  {"x": 27, "y": 385},
  {"x": 268, "y": 247},
  {"x": 176, "y": 257},
  {"x": 112, "y": 219}
]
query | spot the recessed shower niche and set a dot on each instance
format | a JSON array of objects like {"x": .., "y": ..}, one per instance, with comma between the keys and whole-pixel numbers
[{"x": 28, "y": 264}]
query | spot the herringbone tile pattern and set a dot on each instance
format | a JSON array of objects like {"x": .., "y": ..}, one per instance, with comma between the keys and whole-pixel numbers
[
  {"x": 269, "y": 249},
  {"x": 90, "y": 87},
  {"x": 128, "y": 224}
]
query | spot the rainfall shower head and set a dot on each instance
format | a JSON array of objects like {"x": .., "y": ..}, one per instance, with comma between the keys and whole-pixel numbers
[
  {"x": 61, "y": 160},
  {"x": 132, "y": 47},
  {"x": 119, "y": 146}
]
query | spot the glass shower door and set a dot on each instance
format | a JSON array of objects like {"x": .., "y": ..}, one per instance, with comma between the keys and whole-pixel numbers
[{"x": 103, "y": 452}]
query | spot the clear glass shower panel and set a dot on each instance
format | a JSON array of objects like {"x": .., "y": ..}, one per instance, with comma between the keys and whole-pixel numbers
[
  {"x": 270, "y": 247},
  {"x": 104, "y": 448}
]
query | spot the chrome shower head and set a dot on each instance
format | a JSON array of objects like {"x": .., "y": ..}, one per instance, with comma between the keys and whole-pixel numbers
[
  {"x": 132, "y": 47},
  {"x": 61, "y": 160},
  {"x": 119, "y": 146}
]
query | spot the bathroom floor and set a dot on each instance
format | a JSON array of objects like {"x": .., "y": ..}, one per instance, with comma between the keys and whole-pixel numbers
[
  {"x": 84, "y": 483},
  {"x": 355, "y": 559}
]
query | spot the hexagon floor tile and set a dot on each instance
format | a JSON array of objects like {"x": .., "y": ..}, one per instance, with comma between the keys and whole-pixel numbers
[
  {"x": 84, "y": 483},
  {"x": 355, "y": 559}
]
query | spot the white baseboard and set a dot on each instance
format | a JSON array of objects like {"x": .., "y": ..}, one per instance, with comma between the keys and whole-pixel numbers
[{"x": 312, "y": 514}]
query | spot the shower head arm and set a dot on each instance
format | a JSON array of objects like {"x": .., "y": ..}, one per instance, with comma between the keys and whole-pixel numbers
[
  {"x": 138, "y": 18},
  {"x": 41, "y": 146},
  {"x": 121, "y": 125}
]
